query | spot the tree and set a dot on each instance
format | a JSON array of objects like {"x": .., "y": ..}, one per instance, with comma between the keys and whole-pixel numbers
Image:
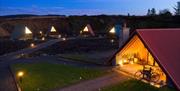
[
  {"x": 153, "y": 11},
  {"x": 149, "y": 12},
  {"x": 128, "y": 14},
  {"x": 165, "y": 12},
  {"x": 177, "y": 8}
]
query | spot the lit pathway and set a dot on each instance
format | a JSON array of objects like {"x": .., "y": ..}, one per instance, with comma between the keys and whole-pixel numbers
[{"x": 96, "y": 84}]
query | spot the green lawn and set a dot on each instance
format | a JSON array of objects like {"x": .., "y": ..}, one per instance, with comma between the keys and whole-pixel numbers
[
  {"x": 135, "y": 85},
  {"x": 83, "y": 57},
  {"x": 46, "y": 76},
  {"x": 76, "y": 56}
]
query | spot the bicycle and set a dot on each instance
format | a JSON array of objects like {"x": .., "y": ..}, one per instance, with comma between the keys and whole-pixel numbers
[{"x": 148, "y": 75}]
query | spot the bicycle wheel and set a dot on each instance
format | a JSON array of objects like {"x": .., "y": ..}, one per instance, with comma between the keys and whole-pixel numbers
[
  {"x": 138, "y": 75},
  {"x": 155, "y": 77}
]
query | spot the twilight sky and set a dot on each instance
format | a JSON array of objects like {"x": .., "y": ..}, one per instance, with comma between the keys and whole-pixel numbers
[{"x": 82, "y": 7}]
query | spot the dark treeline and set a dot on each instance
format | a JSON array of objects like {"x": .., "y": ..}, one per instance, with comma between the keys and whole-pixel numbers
[{"x": 100, "y": 24}]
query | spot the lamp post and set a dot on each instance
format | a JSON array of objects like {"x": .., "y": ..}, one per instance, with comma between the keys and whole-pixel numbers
[{"x": 20, "y": 75}]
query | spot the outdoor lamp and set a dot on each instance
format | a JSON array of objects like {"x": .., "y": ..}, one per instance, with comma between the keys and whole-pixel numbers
[{"x": 20, "y": 75}]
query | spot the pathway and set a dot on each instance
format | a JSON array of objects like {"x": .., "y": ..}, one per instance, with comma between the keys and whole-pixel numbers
[
  {"x": 13, "y": 55},
  {"x": 96, "y": 84},
  {"x": 7, "y": 82}
]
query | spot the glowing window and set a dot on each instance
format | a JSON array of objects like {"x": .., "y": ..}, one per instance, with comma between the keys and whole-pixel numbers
[
  {"x": 53, "y": 29},
  {"x": 112, "y": 30},
  {"x": 27, "y": 31},
  {"x": 86, "y": 29}
]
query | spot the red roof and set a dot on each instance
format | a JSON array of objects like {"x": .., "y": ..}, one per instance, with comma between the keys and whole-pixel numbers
[
  {"x": 164, "y": 44},
  {"x": 90, "y": 30}
]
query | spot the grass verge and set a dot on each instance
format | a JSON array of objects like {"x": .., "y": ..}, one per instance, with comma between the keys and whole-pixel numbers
[{"x": 135, "y": 85}]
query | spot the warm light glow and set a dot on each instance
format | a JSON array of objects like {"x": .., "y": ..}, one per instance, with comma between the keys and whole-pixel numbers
[
  {"x": 40, "y": 32},
  {"x": 112, "y": 30},
  {"x": 86, "y": 29},
  {"x": 32, "y": 45},
  {"x": 20, "y": 74},
  {"x": 131, "y": 62},
  {"x": 120, "y": 63},
  {"x": 59, "y": 36},
  {"x": 43, "y": 38},
  {"x": 125, "y": 61},
  {"x": 63, "y": 39},
  {"x": 80, "y": 32},
  {"x": 53, "y": 29},
  {"x": 112, "y": 41},
  {"x": 135, "y": 60},
  {"x": 136, "y": 56},
  {"x": 27, "y": 31}
]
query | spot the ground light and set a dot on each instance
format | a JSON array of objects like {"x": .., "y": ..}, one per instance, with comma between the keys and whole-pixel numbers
[
  {"x": 32, "y": 45},
  {"x": 112, "y": 41},
  {"x": 59, "y": 36},
  {"x": 20, "y": 74},
  {"x": 80, "y": 32},
  {"x": 64, "y": 39},
  {"x": 43, "y": 38}
]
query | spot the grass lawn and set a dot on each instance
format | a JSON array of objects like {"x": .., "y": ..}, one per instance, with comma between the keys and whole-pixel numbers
[
  {"x": 84, "y": 57},
  {"x": 47, "y": 76},
  {"x": 80, "y": 57},
  {"x": 135, "y": 85}
]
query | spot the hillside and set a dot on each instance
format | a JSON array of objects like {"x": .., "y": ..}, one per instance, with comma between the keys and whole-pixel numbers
[{"x": 73, "y": 24}]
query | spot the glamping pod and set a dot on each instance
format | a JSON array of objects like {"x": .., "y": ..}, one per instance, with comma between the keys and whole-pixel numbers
[
  {"x": 154, "y": 52},
  {"x": 87, "y": 31},
  {"x": 4, "y": 33},
  {"x": 121, "y": 34},
  {"x": 53, "y": 33},
  {"x": 115, "y": 31},
  {"x": 21, "y": 33}
]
